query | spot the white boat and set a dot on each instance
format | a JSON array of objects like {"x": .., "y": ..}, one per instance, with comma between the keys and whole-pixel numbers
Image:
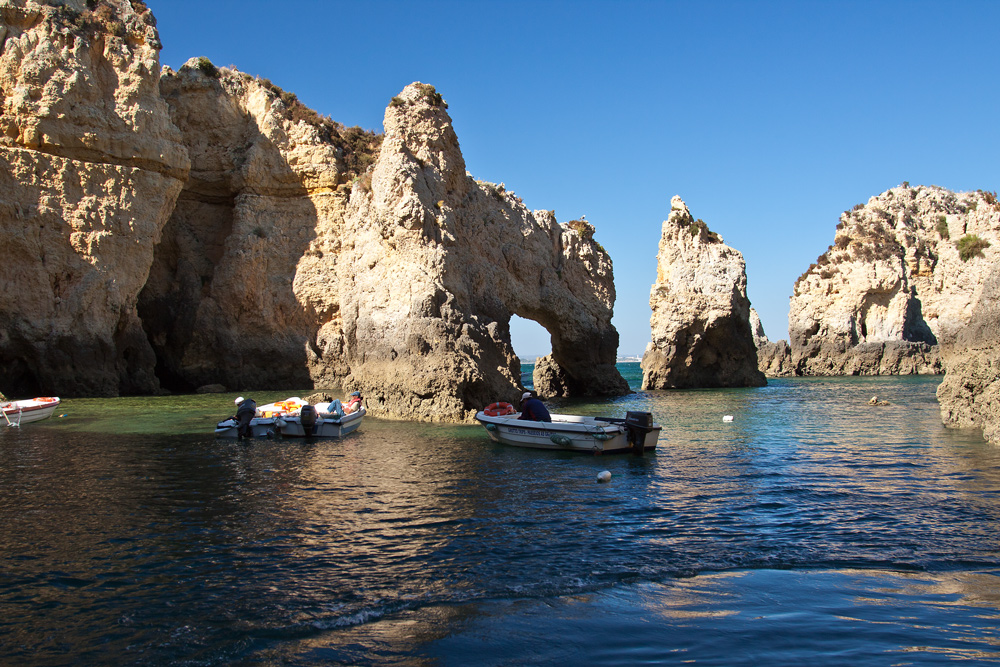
[
  {"x": 28, "y": 410},
  {"x": 323, "y": 425},
  {"x": 295, "y": 418},
  {"x": 598, "y": 435}
]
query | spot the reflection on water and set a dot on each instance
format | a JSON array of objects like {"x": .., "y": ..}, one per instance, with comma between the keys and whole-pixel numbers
[{"x": 132, "y": 535}]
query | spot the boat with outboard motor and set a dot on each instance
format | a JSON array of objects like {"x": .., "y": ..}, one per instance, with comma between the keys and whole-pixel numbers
[
  {"x": 635, "y": 433},
  {"x": 296, "y": 418},
  {"x": 28, "y": 410}
]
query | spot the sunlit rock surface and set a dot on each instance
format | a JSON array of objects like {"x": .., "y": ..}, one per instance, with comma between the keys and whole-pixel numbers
[
  {"x": 701, "y": 314},
  {"x": 894, "y": 283},
  {"x": 90, "y": 168},
  {"x": 970, "y": 393},
  {"x": 434, "y": 265}
]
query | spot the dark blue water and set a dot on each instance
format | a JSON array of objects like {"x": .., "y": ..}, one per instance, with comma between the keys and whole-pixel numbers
[{"x": 812, "y": 528}]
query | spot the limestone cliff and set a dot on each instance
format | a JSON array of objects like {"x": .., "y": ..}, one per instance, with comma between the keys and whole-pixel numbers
[
  {"x": 970, "y": 393},
  {"x": 434, "y": 265},
  {"x": 203, "y": 227},
  {"x": 243, "y": 290},
  {"x": 902, "y": 275},
  {"x": 701, "y": 314},
  {"x": 91, "y": 167}
]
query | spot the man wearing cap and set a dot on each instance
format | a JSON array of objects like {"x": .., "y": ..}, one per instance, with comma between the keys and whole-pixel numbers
[
  {"x": 533, "y": 409},
  {"x": 246, "y": 409}
]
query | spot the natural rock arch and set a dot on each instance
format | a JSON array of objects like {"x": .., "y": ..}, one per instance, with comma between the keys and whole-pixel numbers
[{"x": 434, "y": 263}]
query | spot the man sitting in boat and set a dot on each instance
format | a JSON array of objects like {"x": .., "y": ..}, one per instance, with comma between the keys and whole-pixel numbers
[
  {"x": 246, "y": 409},
  {"x": 353, "y": 403},
  {"x": 533, "y": 409}
]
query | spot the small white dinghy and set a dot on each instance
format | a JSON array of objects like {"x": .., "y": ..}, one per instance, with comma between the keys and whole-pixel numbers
[
  {"x": 597, "y": 435},
  {"x": 28, "y": 410},
  {"x": 295, "y": 418}
]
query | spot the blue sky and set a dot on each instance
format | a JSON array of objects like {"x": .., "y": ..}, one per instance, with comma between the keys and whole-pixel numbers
[{"x": 768, "y": 118}]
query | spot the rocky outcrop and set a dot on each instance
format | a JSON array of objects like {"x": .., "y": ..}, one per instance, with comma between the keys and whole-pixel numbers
[
  {"x": 204, "y": 229},
  {"x": 90, "y": 168},
  {"x": 434, "y": 265},
  {"x": 243, "y": 290},
  {"x": 970, "y": 393},
  {"x": 701, "y": 314},
  {"x": 903, "y": 274},
  {"x": 774, "y": 359}
]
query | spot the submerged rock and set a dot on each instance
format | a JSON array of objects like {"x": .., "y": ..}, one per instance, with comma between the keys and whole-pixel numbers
[{"x": 701, "y": 314}]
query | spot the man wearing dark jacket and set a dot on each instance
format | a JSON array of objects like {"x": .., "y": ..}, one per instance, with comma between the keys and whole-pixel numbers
[{"x": 533, "y": 409}]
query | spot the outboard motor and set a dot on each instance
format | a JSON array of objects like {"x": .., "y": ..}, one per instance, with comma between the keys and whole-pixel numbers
[
  {"x": 637, "y": 426},
  {"x": 307, "y": 416},
  {"x": 245, "y": 412}
]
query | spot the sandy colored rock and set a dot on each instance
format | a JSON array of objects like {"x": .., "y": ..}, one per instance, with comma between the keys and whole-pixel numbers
[
  {"x": 90, "y": 167},
  {"x": 893, "y": 285},
  {"x": 243, "y": 290},
  {"x": 434, "y": 265},
  {"x": 970, "y": 393},
  {"x": 701, "y": 314}
]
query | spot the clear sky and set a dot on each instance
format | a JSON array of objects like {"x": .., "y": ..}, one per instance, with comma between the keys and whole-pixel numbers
[{"x": 768, "y": 118}]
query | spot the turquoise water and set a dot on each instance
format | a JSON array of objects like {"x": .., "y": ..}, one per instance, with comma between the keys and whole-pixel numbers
[{"x": 813, "y": 528}]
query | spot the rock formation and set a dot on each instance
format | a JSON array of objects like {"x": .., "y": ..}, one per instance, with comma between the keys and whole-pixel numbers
[
  {"x": 243, "y": 287},
  {"x": 904, "y": 272},
  {"x": 91, "y": 168},
  {"x": 701, "y": 314},
  {"x": 435, "y": 263},
  {"x": 970, "y": 393},
  {"x": 204, "y": 229},
  {"x": 774, "y": 359}
]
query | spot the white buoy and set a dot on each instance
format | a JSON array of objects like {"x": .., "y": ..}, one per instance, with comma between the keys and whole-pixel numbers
[
  {"x": 727, "y": 418},
  {"x": 604, "y": 476}
]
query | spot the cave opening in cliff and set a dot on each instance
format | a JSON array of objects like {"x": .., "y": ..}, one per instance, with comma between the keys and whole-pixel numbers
[{"x": 529, "y": 339}]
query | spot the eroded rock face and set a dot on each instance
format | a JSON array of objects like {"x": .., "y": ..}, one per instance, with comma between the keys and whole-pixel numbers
[
  {"x": 91, "y": 167},
  {"x": 893, "y": 285},
  {"x": 970, "y": 393},
  {"x": 243, "y": 291},
  {"x": 701, "y": 314},
  {"x": 774, "y": 359},
  {"x": 435, "y": 263}
]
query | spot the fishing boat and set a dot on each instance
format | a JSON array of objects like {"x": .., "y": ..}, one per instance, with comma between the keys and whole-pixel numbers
[
  {"x": 29, "y": 410},
  {"x": 635, "y": 433},
  {"x": 295, "y": 418}
]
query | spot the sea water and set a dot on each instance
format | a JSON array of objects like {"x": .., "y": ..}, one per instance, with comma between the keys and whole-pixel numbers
[{"x": 813, "y": 528}]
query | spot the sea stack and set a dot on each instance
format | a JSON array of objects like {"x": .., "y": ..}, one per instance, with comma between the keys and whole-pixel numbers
[
  {"x": 701, "y": 333},
  {"x": 904, "y": 272}
]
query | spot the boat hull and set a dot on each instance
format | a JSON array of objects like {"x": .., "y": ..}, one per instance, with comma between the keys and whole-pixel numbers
[
  {"x": 286, "y": 426},
  {"x": 565, "y": 433},
  {"x": 29, "y": 410},
  {"x": 325, "y": 427},
  {"x": 260, "y": 427}
]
